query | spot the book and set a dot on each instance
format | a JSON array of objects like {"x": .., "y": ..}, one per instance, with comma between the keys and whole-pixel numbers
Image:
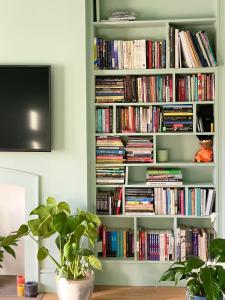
[{"x": 139, "y": 200}]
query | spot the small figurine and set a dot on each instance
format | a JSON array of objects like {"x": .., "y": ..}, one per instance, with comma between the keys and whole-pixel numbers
[{"x": 205, "y": 153}]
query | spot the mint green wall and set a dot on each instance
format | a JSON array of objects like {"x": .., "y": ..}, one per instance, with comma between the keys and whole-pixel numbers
[{"x": 52, "y": 32}]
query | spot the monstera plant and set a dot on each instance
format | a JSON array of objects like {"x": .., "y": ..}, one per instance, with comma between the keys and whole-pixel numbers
[
  {"x": 205, "y": 280},
  {"x": 75, "y": 235}
]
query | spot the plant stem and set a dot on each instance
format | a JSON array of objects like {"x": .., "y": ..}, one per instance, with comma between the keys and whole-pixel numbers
[{"x": 52, "y": 258}]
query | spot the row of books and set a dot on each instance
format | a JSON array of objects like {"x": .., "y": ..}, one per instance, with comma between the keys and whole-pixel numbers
[
  {"x": 158, "y": 176},
  {"x": 138, "y": 119},
  {"x": 156, "y": 245},
  {"x": 133, "y": 54},
  {"x": 139, "y": 150},
  {"x": 116, "y": 242},
  {"x": 189, "y": 49},
  {"x": 109, "y": 202},
  {"x": 112, "y": 175},
  {"x": 139, "y": 200},
  {"x": 109, "y": 150},
  {"x": 194, "y": 242},
  {"x": 199, "y": 87},
  {"x": 157, "y": 88},
  {"x": 104, "y": 120},
  {"x": 178, "y": 118},
  {"x": 200, "y": 201}
]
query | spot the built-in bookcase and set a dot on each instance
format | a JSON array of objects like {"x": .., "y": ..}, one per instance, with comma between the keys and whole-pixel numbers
[{"x": 153, "y": 21}]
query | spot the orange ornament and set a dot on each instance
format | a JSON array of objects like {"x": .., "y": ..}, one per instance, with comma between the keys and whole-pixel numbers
[{"x": 205, "y": 153}]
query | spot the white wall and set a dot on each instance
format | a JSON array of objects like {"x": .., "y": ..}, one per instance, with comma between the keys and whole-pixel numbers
[
  {"x": 12, "y": 215},
  {"x": 52, "y": 32}
]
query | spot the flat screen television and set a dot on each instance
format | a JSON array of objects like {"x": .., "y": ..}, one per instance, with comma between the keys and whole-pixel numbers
[{"x": 25, "y": 117}]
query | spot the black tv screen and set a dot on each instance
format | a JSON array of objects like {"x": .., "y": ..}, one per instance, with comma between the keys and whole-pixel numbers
[{"x": 25, "y": 108}]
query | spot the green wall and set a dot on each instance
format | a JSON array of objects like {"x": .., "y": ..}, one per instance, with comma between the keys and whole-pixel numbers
[{"x": 52, "y": 32}]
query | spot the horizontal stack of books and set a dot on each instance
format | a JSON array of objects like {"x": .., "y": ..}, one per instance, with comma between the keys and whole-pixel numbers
[
  {"x": 109, "y": 89},
  {"x": 139, "y": 150},
  {"x": 109, "y": 202},
  {"x": 169, "y": 201},
  {"x": 189, "y": 49},
  {"x": 112, "y": 175},
  {"x": 200, "y": 201},
  {"x": 138, "y": 119},
  {"x": 116, "y": 242},
  {"x": 103, "y": 117},
  {"x": 109, "y": 150},
  {"x": 158, "y": 88},
  {"x": 194, "y": 242},
  {"x": 134, "y": 54},
  {"x": 178, "y": 118},
  {"x": 163, "y": 176},
  {"x": 139, "y": 201},
  {"x": 200, "y": 87},
  {"x": 157, "y": 245}
]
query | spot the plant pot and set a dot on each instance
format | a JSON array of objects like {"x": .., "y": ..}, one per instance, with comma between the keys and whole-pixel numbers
[
  {"x": 81, "y": 289},
  {"x": 199, "y": 298}
]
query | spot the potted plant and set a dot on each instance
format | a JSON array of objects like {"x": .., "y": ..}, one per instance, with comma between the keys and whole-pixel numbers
[
  {"x": 75, "y": 236},
  {"x": 6, "y": 245},
  {"x": 205, "y": 280}
]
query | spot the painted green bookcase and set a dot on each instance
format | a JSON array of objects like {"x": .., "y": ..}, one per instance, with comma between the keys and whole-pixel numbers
[{"x": 153, "y": 20}]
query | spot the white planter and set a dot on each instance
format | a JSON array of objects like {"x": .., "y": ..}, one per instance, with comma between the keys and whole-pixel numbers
[{"x": 81, "y": 289}]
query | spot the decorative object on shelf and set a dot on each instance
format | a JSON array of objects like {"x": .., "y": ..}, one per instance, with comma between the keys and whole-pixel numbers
[
  {"x": 122, "y": 15},
  {"x": 205, "y": 153},
  {"x": 162, "y": 155},
  {"x": 75, "y": 277},
  {"x": 205, "y": 280},
  {"x": 31, "y": 289},
  {"x": 20, "y": 290}
]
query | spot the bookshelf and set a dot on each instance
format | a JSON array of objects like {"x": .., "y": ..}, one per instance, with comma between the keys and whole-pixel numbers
[{"x": 153, "y": 21}]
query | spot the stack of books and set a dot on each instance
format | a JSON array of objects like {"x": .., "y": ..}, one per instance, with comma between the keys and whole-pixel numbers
[
  {"x": 189, "y": 49},
  {"x": 109, "y": 202},
  {"x": 194, "y": 242},
  {"x": 133, "y": 54},
  {"x": 157, "y": 245},
  {"x": 109, "y": 150},
  {"x": 139, "y": 201},
  {"x": 133, "y": 119},
  {"x": 109, "y": 89},
  {"x": 116, "y": 242},
  {"x": 164, "y": 176},
  {"x": 199, "y": 87},
  {"x": 139, "y": 150},
  {"x": 103, "y": 117},
  {"x": 200, "y": 201},
  {"x": 178, "y": 118},
  {"x": 112, "y": 175},
  {"x": 169, "y": 201}
]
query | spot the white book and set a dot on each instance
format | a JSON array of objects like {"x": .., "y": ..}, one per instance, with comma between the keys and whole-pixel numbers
[
  {"x": 210, "y": 201},
  {"x": 186, "y": 54},
  {"x": 176, "y": 48},
  {"x": 143, "y": 54}
]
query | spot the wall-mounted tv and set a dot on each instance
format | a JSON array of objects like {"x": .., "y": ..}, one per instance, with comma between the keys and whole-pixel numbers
[{"x": 25, "y": 116}]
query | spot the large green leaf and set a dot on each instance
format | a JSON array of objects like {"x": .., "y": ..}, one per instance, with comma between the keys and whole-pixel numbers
[
  {"x": 42, "y": 253},
  {"x": 89, "y": 217},
  {"x": 217, "y": 249},
  {"x": 51, "y": 201},
  {"x": 64, "y": 207},
  {"x": 69, "y": 252},
  {"x": 221, "y": 277},
  {"x": 168, "y": 275},
  {"x": 42, "y": 211},
  {"x": 210, "y": 284},
  {"x": 78, "y": 233},
  {"x": 10, "y": 251},
  {"x": 95, "y": 262},
  {"x": 85, "y": 252},
  {"x": 193, "y": 263},
  {"x": 59, "y": 222},
  {"x": 23, "y": 230}
]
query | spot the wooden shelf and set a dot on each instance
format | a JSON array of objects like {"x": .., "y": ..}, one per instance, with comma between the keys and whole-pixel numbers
[{"x": 154, "y": 103}]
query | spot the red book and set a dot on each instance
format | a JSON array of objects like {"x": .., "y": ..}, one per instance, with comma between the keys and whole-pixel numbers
[
  {"x": 118, "y": 208},
  {"x": 150, "y": 54},
  {"x": 171, "y": 88},
  {"x": 103, "y": 242},
  {"x": 107, "y": 120}
]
